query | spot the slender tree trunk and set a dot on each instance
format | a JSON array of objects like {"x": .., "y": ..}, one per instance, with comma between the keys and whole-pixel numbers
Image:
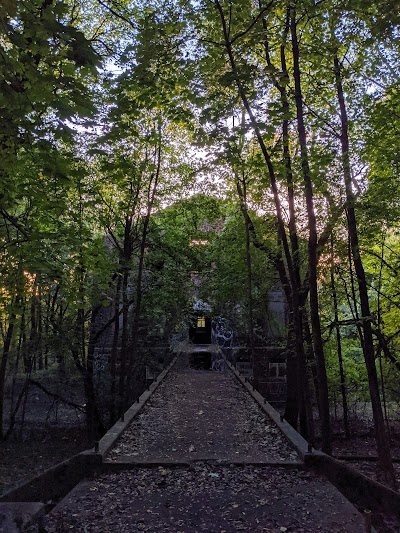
[
  {"x": 94, "y": 425},
  {"x": 294, "y": 399},
  {"x": 312, "y": 247},
  {"x": 18, "y": 357},
  {"x": 3, "y": 366},
  {"x": 126, "y": 269},
  {"x": 241, "y": 187},
  {"x": 281, "y": 228},
  {"x": 291, "y": 413},
  {"x": 124, "y": 341},
  {"x": 80, "y": 328},
  {"x": 24, "y": 397},
  {"x": 263, "y": 147},
  {"x": 379, "y": 324},
  {"x": 47, "y": 331},
  {"x": 39, "y": 328},
  {"x": 281, "y": 87},
  {"x": 114, "y": 354},
  {"x": 57, "y": 357},
  {"x": 382, "y": 440},
  {"x": 33, "y": 334},
  {"x": 250, "y": 317},
  {"x": 151, "y": 196},
  {"x": 305, "y": 407},
  {"x": 339, "y": 348},
  {"x": 302, "y": 386},
  {"x": 354, "y": 307},
  {"x": 383, "y": 391},
  {"x": 311, "y": 360}
]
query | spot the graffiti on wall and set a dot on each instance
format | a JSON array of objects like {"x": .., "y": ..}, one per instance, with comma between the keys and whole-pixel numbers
[{"x": 222, "y": 335}]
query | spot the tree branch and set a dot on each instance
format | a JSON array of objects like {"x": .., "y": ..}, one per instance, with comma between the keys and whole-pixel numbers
[
  {"x": 13, "y": 221},
  {"x": 257, "y": 18},
  {"x": 118, "y": 15},
  {"x": 57, "y": 396}
]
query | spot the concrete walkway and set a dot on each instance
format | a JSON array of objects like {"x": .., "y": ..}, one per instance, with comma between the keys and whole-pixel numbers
[
  {"x": 240, "y": 472},
  {"x": 202, "y": 415}
]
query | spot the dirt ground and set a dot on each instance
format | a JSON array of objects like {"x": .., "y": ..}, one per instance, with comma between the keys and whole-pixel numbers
[
  {"x": 362, "y": 444},
  {"x": 49, "y": 432},
  {"x": 22, "y": 460}
]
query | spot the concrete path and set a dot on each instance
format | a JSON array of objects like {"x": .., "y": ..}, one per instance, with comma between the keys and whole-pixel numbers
[
  {"x": 207, "y": 420},
  {"x": 202, "y": 415}
]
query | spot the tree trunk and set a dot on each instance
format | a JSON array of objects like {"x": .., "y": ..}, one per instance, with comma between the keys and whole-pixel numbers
[
  {"x": 289, "y": 289},
  {"x": 124, "y": 342},
  {"x": 151, "y": 195},
  {"x": 292, "y": 401},
  {"x": 356, "y": 314},
  {"x": 249, "y": 287},
  {"x": 293, "y": 260},
  {"x": 312, "y": 247},
  {"x": 339, "y": 349},
  {"x": 114, "y": 354},
  {"x": 382, "y": 440},
  {"x": 39, "y": 341},
  {"x": 47, "y": 331},
  {"x": 312, "y": 373},
  {"x": 17, "y": 357},
  {"x": 295, "y": 396},
  {"x": 33, "y": 334},
  {"x": 3, "y": 366},
  {"x": 94, "y": 424}
]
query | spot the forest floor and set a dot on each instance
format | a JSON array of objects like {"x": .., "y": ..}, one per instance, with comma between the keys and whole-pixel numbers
[
  {"x": 359, "y": 451},
  {"x": 21, "y": 460},
  {"x": 361, "y": 448},
  {"x": 47, "y": 433}
]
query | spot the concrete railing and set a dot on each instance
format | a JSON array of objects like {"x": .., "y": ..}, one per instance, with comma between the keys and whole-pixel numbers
[
  {"x": 358, "y": 488},
  {"x": 58, "y": 480}
]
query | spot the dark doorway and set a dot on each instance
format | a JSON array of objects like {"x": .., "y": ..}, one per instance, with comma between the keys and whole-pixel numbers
[
  {"x": 200, "y": 360},
  {"x": 200, "y": 332}
]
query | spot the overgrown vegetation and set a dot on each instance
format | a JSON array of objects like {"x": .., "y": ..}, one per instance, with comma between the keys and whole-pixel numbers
[{"x": 252, "y": 142}]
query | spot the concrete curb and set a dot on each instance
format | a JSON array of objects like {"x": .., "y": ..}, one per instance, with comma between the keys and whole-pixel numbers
[
  {"x": 291, "y": 435},
  {"x": 60, "y": 479},
  {"x": 55, "y": 482},
  {"x": 368, "y": 458},
  {"x": 356, "y": 487},
  {"x": 107, "y": 442}
]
